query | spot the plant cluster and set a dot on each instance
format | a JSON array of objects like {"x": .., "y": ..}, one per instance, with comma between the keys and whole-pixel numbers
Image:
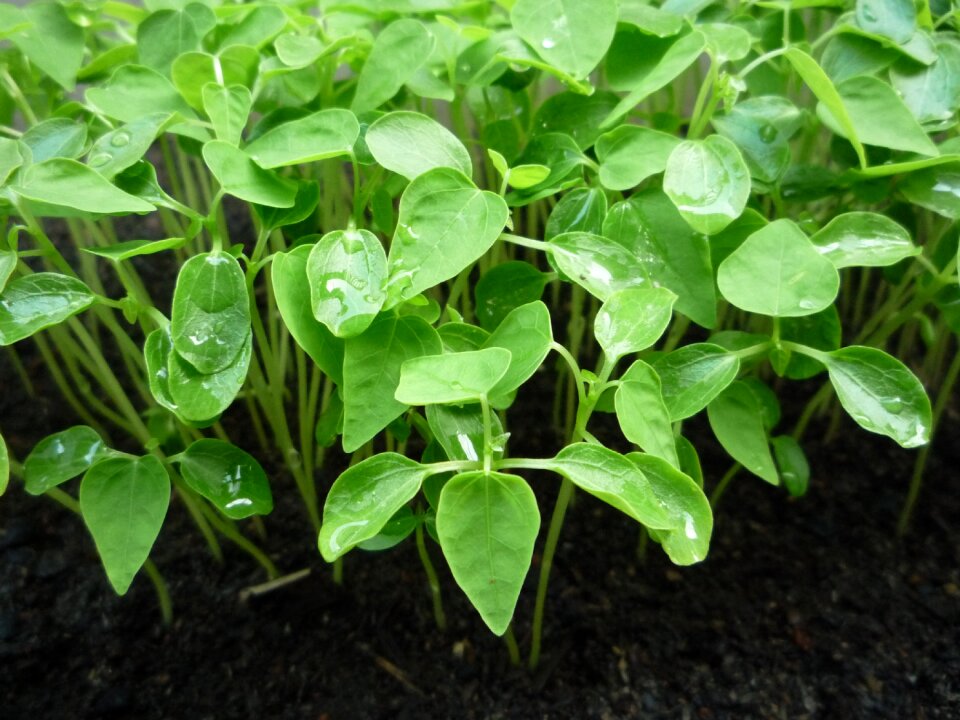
[{"x": 384, "y": 217}]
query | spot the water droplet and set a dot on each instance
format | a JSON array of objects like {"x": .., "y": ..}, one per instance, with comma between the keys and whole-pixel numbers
[
  {"x": 456, "y": 385},
  {"x": 120, "y": 138},
  {"x": 891, "y": 404},
  {"x": 807, "y": 304},
  {"x": 99, "y": 160},
  {"x": 868, "y": 14},
  {"x": 548, "y": 43},
  {"x": 768, "y": 133}
]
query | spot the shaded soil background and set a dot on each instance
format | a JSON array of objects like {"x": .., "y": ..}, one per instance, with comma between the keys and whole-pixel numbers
[{"x": 804, "y": 609}]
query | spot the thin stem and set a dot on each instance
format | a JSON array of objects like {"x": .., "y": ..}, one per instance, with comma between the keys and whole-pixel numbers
[
  {"x": 722, "y": 485},
  {"x": 511, "y": 641},
  {"x": 160, "y": 587},
  {"x": 432, "y": 580}
]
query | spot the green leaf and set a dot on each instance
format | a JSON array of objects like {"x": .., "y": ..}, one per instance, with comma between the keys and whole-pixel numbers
[
  {"x": 881, "y": 394},
  {"x": 56, "y": 137},
  {"x": 936, "y": 188},
  {"x": 210, "y": 317},
  {"x": 488, "y": 525},
  {"x": 667, "y": 252},
  {"x": 821, "y": 86},
  {"x": 524, "y": 177},
  {"x": 400, "y": 49},
  {"x": 580, "y": 210},
  {"x": 459, "y": 430},
  {"x": 879, "y": 116},
  {"x": 895, "y": 19},
  {"x": 134, "y": 91},
  {"x": 632, "y": 320},
  {"x": 10, "y": 159},
  {"x": 683, "y": 498},
  {"x": 364, "y": 498},
  {"x": 736, "y": 418},
  {"x": 693, "y": 375},
  {"x": 445, "y": 224},
  {"x": 681, "y": 55},
  {"x": 61, "y": 457},
  {"x": 847, "y": 55},
  {"x": 237, "y": 65},
  {"x": 123, "y": 501},
  {"x": 452, "y": 377},
  {"x": 864, "y": 239},
  {"x": 574, "y": 114},
  {"x": 611, "y": 477},
  {"x": 291, "y": 290},
  {"x": 652, "y": 20},
  {"x": 257, "y": 28},
  {"x": 777, "y": 271},
  {"x": 461, "y": 337},
  {"x": 761, "y": 127},
  {"x": 48, "y": 38},
  {"x": 398, "y": 528},
  {"x": 556, "y": 151},
  {"x": 347, "y": 270},
  {"x": 199, "y": 397},
  {"x": 228, "y": 109},
  {"x": 157, "y": 349},
  {"x": 165, "y": 35},
  {"x": 8, "y": 263},
  {"x": 304, "y": 205},
  {"x": 371, "y": 373},
  {"x": 240, "y": 176},
  {"x": 931, "y": 92},
  {"x": 228, "y": 477},
  {"x": 727, "y": 43},
  {"x": 527, "y": 334},
  {"x": 794, "y": 468},
  {"x": 570, "y": 35},
  {"x": 322, "y": 135},
  {"x": 630, "y": 154},
  {"x": 708, "y": 181},
  {"x": 298, "y": 51},
  {"x": 135, "y": 248},
  {"x": 33, "y": 302},
  {"x": 642, "y": 414},
  {"x": 118, "y": 149},
  {"x": 68, "y": 183},
  {"x": 410, "y": 144},
  {"x": 4, "y": 466},
  {"x": 600, "y": 265},
  {"x": 505, "y": 287}
]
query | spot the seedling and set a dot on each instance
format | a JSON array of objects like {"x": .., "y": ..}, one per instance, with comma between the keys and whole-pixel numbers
[{"x": 385, "y": 220}]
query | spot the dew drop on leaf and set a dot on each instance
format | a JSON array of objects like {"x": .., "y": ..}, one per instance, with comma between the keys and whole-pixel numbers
[
  {"x": 121, "y": 139},
  {"x": 768, "y": 133}
]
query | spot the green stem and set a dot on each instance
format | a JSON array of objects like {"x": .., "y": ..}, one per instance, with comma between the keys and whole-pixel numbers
[
  {"x": 160, "y": 588},
  {"x": 432, "y": 579},
  {"x": 722, "y": 485},
  {"x": 565, "y": 495},
  {"x": 511, "y": 641}
]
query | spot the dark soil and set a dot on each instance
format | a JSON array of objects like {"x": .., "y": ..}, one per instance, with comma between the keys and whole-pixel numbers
[{"x": 804, "y": 609}]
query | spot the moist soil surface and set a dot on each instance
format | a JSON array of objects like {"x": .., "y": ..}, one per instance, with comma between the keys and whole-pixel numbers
[{"x": 808, "y": 608}]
